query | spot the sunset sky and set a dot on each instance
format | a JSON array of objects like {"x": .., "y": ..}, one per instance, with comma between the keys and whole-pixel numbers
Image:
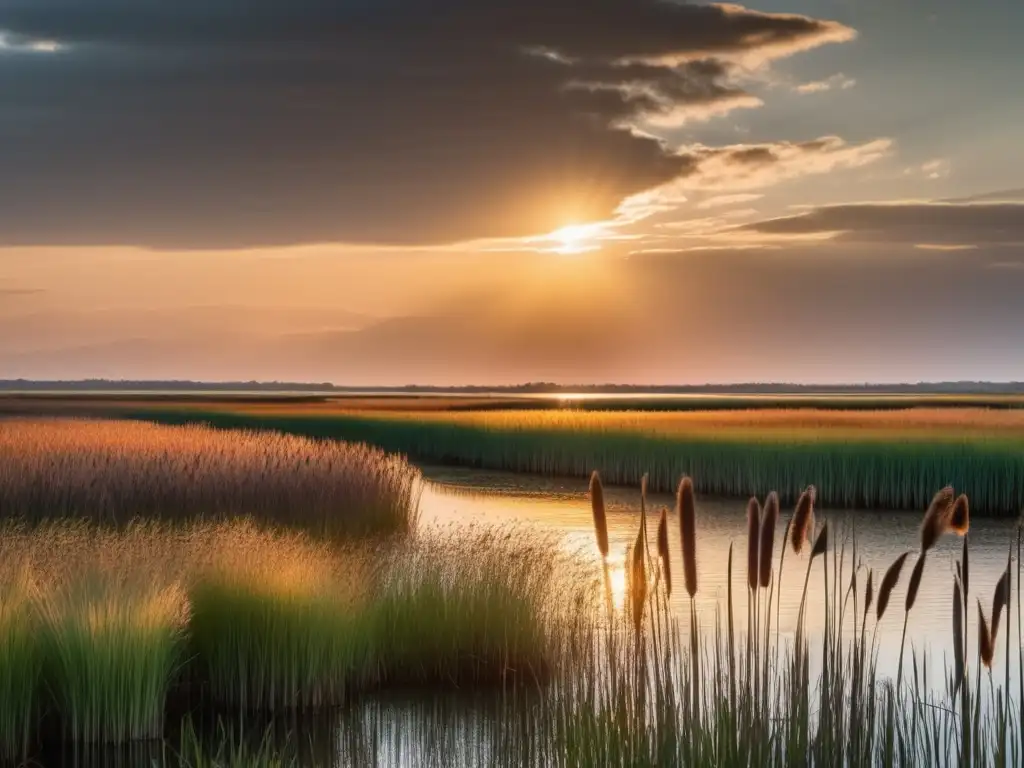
[{"x": 480, "y": 191}]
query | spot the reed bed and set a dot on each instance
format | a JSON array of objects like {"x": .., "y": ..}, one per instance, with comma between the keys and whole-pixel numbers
[
  {"x": 115, "y": 471},
  {"x": 20, "y": 669},
  {"x": 656, "y": 698},
  {"x": 890, "y": 460},
  {"x": 111, "y": 654},
  {"x": 100, "y": 628}
]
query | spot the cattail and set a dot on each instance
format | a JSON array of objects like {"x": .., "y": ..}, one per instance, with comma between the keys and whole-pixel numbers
[
  {"x": 663, "y": 549},
  {"x": 892, "y": 575},
  {"x": 967, "y": 571},
  {"x": 960, "y": 516},
  {"x": 958, "y": 636},
  {"x": 820, "y": 543},
  {"x": 768, "y": 523},
  {"x": 638, "y": 578},
  {"x": 803, "y": 519},
  {"x": 869, "y": 593},
  {"x": 600, "y": 518},
  {"x": 753, "y": 534},
  {"x": 915, "y": 582},
  {"x": 986, "y": 650},
  {"x": 1000, "y": 600},
  {"x": 936, "y": 519},
  {"x": 688, "y": 533}
]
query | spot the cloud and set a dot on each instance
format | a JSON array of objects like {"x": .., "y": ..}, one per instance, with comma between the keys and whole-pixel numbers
[
  {"x": 936, "y": 169},
  {"x": 18, "y": 292},
  {"x": 934, "y": 224},
  {"x": 197, "y": 124},
  {"x": 719, "y": 201},
  {"x": 738, "y": 168},
  {"x": 837, "y": 82}
]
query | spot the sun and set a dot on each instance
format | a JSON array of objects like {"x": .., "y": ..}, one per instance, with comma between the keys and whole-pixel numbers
[{"x": 575, "y": 238}]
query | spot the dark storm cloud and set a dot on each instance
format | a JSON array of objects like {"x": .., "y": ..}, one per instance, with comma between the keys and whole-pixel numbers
[
  {"x": 230, "y": 123},
  {"x": 944, "y": 224}
]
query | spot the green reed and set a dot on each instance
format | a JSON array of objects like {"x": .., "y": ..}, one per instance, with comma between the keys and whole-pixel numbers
[{"x": 848, "y": 472}]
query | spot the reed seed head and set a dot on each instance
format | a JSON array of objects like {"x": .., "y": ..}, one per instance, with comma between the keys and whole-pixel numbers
[
  {"x": 889, "y": 580},
  {"x": 688, "y": 533},
  {"x": 753, "y": 541},
  {"x": 803, "y": 519},
  {"x": 600, "y": 517},
  {"x": 1000, "y": 600},
  {"x": 966, "y": 568},
  {"x": 768, "y": 523},
  {"x": 986, "y": 648},
  {"x": 960, "y": 516},
  {"x": 936, "y": 519},
  {"x": 663, "y": 550},
  {"x": 915, "y": 582},
  {"x": 820, "y": 543},
  {"x": 638, "y": 578}
]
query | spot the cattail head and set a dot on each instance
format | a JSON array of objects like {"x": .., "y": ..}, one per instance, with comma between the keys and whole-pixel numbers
[
  {"x": 688, "y": 533},
  {"x": 666, "y": 567},
  {"x": 869, "y": 593},
  {"x": 960, "y": 516},
  {"x": 986, "y": 648},
  {"x": 1000, "y": 600},
  {"x": 966, "y": 563},
  {"x": 768, "y": 523},
  {"x": 821, "y": 542},
  {"x": 892, "y": 575},
  {"x": 753, "y": 541},
  {"x": 600, "y": 518},
  {"x": 638, "y": 578},
  {"x": 915, "y": 582},
  {"x": 936, "y": 519},
  {"x": 803, "y": 519}
]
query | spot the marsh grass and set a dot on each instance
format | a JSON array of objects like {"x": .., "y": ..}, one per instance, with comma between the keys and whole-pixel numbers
[
  {"x": 116, "y": 471},
  {"x": 20, "y": 667},
  {"x": 874, "y": 459},
  {"x": 111, "y": 653}
]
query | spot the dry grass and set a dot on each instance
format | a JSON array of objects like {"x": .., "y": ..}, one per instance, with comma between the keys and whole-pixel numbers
[
  {"x": 769, "y": 423},
  {"x": 115, "y": 471}
]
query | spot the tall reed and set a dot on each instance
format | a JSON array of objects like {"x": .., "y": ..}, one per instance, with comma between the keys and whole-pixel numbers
[
  {"x": 880, "y": 460},
  {"x": 116, "y": 471}
]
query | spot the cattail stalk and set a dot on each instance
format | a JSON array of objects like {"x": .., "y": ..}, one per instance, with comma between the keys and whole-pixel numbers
[
  {"x": 600, "y": 517},
  {"x": 753, "y": 533},
  {"x": 663, "y": 553}
]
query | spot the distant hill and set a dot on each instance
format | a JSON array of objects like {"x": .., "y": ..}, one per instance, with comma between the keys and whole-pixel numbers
[{"x": 185, "y": 387}]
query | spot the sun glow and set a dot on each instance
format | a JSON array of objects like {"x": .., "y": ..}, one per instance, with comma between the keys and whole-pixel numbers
[{"x": 576, "y": 238}]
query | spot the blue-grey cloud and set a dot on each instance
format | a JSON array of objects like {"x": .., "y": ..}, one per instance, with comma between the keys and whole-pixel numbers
[
  {"x": 976, "y": 224},
  {"x": 220, "y": 123}
]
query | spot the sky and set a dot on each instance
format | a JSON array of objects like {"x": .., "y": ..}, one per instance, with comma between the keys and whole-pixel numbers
[{"x": 386, "y": 192}]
